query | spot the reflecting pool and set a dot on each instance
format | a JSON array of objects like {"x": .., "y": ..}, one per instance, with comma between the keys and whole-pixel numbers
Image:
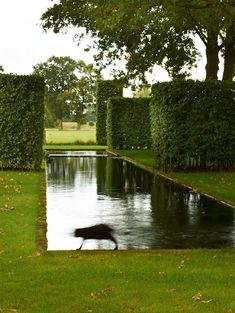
[{"x": 146, "y": 211}]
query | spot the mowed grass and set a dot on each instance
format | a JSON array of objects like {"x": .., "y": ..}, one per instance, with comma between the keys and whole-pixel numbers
[
  {"x": 86, "y": 135},
  {"x": 154, "y": 281}
]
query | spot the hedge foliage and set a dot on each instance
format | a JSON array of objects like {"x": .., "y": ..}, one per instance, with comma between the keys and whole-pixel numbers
[
  {"x": 105, "y": 90},
  {"x": 128, "y": 123},
  {"x": 193, "y": 124},
  {"x": 21, "y": 121}
]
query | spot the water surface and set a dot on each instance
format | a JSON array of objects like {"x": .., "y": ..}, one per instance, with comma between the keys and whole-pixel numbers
[{"x": 146, "y": 211}]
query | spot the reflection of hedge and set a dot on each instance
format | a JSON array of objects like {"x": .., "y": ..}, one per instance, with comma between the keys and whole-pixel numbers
[
  {"x": 21, "y": 121},
  {"x": 105, "y": 90},
  {"x": 193, "y": 124},
  {"x": 128, "y": 123}
]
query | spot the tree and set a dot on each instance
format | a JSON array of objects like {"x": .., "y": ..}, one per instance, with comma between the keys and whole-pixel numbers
[
  {"x": 214, "y": 22},
  {"x": 1, "y": 69},
  {"x": 153, "y": 32},
  {"x": 143, "y": 92},
  {"x": 59, "y": 75},
  {"x": 79, "y": 99},
  {"x": 63, "y": 78},
  {"x": 127, "y": 28}
]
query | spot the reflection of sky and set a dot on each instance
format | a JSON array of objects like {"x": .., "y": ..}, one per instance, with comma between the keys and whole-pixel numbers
[
  {"x": 193, "y": 208},
  {"x": 79, "y": 205}
]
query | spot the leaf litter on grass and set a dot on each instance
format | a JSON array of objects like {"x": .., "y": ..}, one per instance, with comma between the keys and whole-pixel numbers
[{"x": 199, "y": 297}]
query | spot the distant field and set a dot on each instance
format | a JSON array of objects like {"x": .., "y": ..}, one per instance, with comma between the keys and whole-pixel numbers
[{"x": 86, "y": 135}]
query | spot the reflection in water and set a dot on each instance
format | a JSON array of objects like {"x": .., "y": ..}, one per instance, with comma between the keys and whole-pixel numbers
[{"x": 146, "y": 211}]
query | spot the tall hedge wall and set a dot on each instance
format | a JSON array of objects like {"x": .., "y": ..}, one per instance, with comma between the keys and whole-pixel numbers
[
  {"x": 105, "y": 90},
  {"x": 128, "y": 123},
  {"x": 21, "y": 121},
  {"x": 193, "y": 124}
]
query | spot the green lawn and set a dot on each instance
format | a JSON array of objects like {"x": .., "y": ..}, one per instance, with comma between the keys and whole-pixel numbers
[
  {"x": 140, "y": 157},
  {"x": 33, "y": 280},
  {"x": 87, "y": 135}
]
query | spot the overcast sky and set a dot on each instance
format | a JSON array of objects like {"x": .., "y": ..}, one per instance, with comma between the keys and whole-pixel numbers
[{"x": 24, "y": 43}]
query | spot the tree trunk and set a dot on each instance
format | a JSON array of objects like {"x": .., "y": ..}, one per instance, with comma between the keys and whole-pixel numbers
[
  {"x": 61, "y": 125},
  {"x": 229, "y": 54},
  {"x": 212, "y": 54}
]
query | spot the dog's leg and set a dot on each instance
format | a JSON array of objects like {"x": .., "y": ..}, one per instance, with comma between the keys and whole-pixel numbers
[
  {"x": 115, "y": 241},
  {"x": 81, "y": 245}
]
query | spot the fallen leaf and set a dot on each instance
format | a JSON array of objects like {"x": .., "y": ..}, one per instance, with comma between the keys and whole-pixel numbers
[
  {"x": 198, "y": 297},
  {"x": 107, "y": 290},
  {"x": 206, "y": 301},
  {"x": 35, "y": 255},
  {"x": 181, "y": 264},
  {"x": 94, "y": 295},
  {"x": 7, "y": 208}
]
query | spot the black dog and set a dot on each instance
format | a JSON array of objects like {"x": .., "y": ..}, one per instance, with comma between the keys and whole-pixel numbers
[{"x": 99, "y": 231}]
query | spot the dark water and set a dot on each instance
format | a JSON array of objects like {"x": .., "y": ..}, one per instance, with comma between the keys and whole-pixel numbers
[{"x": 146, "y": 211}]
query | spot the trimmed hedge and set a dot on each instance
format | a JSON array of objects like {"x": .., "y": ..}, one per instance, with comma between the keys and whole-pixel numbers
[
  {"x": 105, "y": 90},
  {"x": 193, "y": 124},
  {"x": 128, "y": 123},
  {"x": 21, "y": 121}
]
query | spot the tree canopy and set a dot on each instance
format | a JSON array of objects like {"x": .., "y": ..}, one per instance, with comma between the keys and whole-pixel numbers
[
  {"x": 70, "y": 87},
  {"x": 153, "y": 32}
]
